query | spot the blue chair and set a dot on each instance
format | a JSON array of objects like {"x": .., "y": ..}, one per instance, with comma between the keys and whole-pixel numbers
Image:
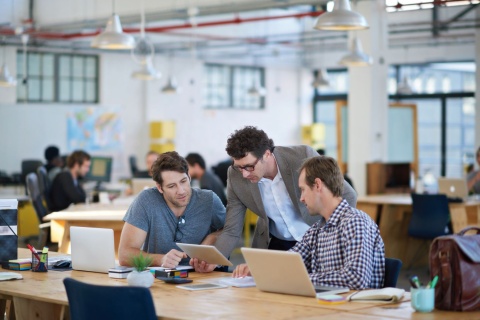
[
  {"x": 430, "y": 218},
  {"x": 90, "y": 302},
  {"x": 392, "y": 271}
]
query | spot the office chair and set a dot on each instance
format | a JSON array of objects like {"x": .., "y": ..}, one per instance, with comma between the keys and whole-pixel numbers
[
  {"x": 88, "y": 301},
  {"x": 29, "y": 166},
  {"x": 430, "y": 218},
  {"x": 44, "y": 185},
  {"x": 392, "y": 271},
  {"x": 37, "y": 203},
  {"x": 132, "y": 160},
  {"x": 221, "y": 170}
]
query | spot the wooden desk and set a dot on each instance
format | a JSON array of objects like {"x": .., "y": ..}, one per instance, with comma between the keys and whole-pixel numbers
[
  {"x": 392, "y": 213},
  {"x": 81, "y": 215},
  {"x": 43, "y": 296}
]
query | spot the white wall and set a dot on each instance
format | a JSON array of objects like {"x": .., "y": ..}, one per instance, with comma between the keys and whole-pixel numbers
[{"x": 26, "y": 129}]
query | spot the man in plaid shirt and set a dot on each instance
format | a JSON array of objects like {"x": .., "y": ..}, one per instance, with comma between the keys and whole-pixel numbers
[{"x": 345, "y": 249}]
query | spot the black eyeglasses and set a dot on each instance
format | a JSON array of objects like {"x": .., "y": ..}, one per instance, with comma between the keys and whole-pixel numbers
[
  {"x": 248, "y": 167},
  {"x": 178, "y": 232}
]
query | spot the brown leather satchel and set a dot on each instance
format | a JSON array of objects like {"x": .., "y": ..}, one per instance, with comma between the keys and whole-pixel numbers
[{"x": 456, "y": 261}]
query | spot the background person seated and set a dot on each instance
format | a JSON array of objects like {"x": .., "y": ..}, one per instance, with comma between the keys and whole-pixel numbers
[
  {"x": 54, "y": 163},
  {"x": 150, "y": 158},
  {"x": 473, "y": 178},
  {"x": 208, "y": 180},
  {"x": 65, "y": 187}
]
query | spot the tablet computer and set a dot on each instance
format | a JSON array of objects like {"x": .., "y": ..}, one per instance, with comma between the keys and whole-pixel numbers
[
  {"x": 202, "y": 286},
  {"x": 209, "y": 254}
]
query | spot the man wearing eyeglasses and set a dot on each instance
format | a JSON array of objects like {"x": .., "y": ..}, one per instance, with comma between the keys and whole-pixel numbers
[
  {"x": 172, "y": 212},
  {"x": 264, "y": 179}
]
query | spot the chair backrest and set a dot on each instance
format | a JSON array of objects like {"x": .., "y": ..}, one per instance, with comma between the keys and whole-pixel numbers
[
  {"x": 132, "y": 160},
  {"x": 44, "y": 185},
  {"x": 430, "y": 216},
  {"x": 35, "y": 195},
  {"x": 29, "y": 166},
  {"x": 392, "y": 271},
  {"x": 88, "y": 301}
]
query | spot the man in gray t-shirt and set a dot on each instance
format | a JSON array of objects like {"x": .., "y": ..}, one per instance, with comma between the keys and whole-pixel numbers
[{"x": 172, "y": 212}]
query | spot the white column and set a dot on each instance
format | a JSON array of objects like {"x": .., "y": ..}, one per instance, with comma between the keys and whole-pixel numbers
[{"x": 368, "y": 97}]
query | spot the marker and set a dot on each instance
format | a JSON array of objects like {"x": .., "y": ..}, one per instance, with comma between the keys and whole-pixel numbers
[
  {"x": 33, "y": 251},
  {"x": 433, "y": 283}
]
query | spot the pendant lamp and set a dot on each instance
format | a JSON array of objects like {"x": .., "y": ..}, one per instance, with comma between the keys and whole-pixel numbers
[
  {"x": 321, "y": 80},
  {"x": 341, "y": 18},
  {"x": 113, "y": 38},
  {"x": 6, "y": 80},
  {"x": 147, "y": 72},
  {"x": 404, "y": 87},
  {"x": 356, "y": 57},
  {"x": 170, "y": 87}
]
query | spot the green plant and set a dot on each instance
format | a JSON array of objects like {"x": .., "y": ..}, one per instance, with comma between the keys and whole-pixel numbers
[{"x": 140, "y": 261}]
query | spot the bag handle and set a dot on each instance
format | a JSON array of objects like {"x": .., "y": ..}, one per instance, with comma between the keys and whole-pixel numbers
[{"x": 465, "y": 230}]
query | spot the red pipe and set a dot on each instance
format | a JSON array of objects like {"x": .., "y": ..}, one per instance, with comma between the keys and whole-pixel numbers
[{"x": 236, "y": 20}]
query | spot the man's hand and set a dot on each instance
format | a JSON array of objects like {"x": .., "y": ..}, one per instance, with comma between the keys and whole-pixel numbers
[
  {"x": 202, "y": 266},
  {"x": 172, "y": 258},
  {"x": 241, "y": 271}
]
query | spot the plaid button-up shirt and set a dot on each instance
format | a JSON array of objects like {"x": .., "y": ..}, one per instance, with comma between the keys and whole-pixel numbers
[{"x": 345, "y": 251}]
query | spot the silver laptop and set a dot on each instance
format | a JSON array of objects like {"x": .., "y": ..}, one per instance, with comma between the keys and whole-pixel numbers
[
  {"x": 453, "y": 187},
  {"x": 140, "y": 184},
  {"x": 93, "y": 249},
  {"x": 283, "y": 272}
]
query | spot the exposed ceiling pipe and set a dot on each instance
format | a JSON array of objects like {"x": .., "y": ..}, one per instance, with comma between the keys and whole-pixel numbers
[
  {"x": 236, "y": 20},
  {"x": 420, "y": 3}
]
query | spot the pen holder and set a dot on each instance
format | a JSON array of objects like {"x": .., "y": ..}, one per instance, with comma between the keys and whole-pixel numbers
[
  {"x": 422, "y": 299},
  {"x": 40, "y": 265}
]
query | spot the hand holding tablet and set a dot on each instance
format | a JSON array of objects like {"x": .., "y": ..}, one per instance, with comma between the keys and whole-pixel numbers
[{"x": 209, "y": 254}]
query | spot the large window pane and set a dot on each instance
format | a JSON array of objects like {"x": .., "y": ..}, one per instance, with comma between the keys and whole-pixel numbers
[
  {"x": 48, "y": 93},
  {"x": 64, "y": 66},
  {"x": 78, "y": 90},
  {"x": 34, "y": 89},
  {"x": 64, "y": 90},
  {"x": 77, "y": 67},
  {"x": 48, "y": 65},
  {"x": 34, "y": 64},
  {"x": 326, "y": 114}
]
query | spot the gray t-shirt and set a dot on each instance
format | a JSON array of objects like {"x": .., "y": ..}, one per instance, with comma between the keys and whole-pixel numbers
[{"x": 203, "y": 215}]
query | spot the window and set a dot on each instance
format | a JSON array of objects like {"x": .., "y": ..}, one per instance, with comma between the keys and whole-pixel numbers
[
  {"x": 227, "y": 87},
  {"x": 57, "y": 77}
]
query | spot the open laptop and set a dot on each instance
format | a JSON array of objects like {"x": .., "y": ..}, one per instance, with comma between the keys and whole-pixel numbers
[
  {"x": 93, "y": 249},
  {"x": 453, "y": 188},
  {"x": 140, "y": 184},
  {"x": 283, "y": 272}
]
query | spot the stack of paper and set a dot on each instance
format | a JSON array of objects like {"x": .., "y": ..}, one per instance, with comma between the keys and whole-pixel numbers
[
  {"x": 20, "y": 264},
  {"x": 10, "y": 276},
  {"x": 385, "y": 294}
]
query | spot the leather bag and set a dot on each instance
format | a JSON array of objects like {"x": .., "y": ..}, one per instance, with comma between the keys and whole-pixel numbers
[{"x": 456, "y": 261}]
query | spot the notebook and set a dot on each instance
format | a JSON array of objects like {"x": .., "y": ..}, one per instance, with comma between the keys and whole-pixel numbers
[
  {"x": 453, "y": 187},
  {"x": 93, "y": 249},
  {"x": 140, "y": 184},
  {"x": 283, "y": 272}
]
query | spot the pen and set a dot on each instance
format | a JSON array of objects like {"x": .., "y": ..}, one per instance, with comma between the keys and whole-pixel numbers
[
  {"x": 414, "y": 282},
  {"x": 433, "y": 283}
]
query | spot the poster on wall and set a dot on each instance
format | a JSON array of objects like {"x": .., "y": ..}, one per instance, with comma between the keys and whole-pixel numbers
[{"x": 94, "y": 129}]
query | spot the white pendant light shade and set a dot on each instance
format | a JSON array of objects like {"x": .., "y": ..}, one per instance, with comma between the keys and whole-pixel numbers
[
  {"x": 147, "y": 72},
  {"x": 113, "y": 38},
  {"x": 404, "y": 87},
  {"x": 321, "y": 80},
  {"x": 341, "y": 18},
  {"x": 356, "y": 57},
  {"x": 170, "y": 87},
  {"x": 6, "y": 80},
  {"x": 256, "y": 91}
]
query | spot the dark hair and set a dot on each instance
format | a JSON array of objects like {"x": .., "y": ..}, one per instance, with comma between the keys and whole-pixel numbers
[
  {"x": 248, "y": 139},
  {"x": 168, "y": 161},
  {"x": 193, "y": 158},
  {"x": 326, "y": 169},
  {"x": 77, "y": 156},
  {"x": 51, "y": 152}
]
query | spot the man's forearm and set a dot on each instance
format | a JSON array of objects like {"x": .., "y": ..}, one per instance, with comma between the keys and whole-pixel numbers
[
  {"x": 211, "y": 238},
  {"x": 125, "y": 254}
]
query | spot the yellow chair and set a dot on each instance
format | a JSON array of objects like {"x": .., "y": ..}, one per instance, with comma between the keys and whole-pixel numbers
[{"x": 250, "y": 220}]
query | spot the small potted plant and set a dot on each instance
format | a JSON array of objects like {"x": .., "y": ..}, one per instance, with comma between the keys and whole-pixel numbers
[{"x": 140, "y": 276}]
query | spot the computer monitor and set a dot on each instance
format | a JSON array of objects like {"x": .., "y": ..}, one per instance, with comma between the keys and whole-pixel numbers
[{"x": 100, "y": 170}]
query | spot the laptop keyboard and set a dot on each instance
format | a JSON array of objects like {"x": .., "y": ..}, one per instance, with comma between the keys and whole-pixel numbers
[{"x": 454, "y": 199}]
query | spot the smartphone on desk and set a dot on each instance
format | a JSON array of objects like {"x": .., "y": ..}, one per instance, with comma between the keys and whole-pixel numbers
[{"x": 175, "y": 280}]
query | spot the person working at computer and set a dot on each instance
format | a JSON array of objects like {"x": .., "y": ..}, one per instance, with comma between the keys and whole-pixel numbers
[
  {"x": 150, "y": 158},
  {"x": 65, "y": 187},
  {"x": 343, "y": 250},
  {"x": 473, "y": 178},
  {"x": 54, "y": 162},
  {"x": 172, "y": 212},
  {"x": 208, "y": 180},
  {"x": 264, "y": 179}
]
